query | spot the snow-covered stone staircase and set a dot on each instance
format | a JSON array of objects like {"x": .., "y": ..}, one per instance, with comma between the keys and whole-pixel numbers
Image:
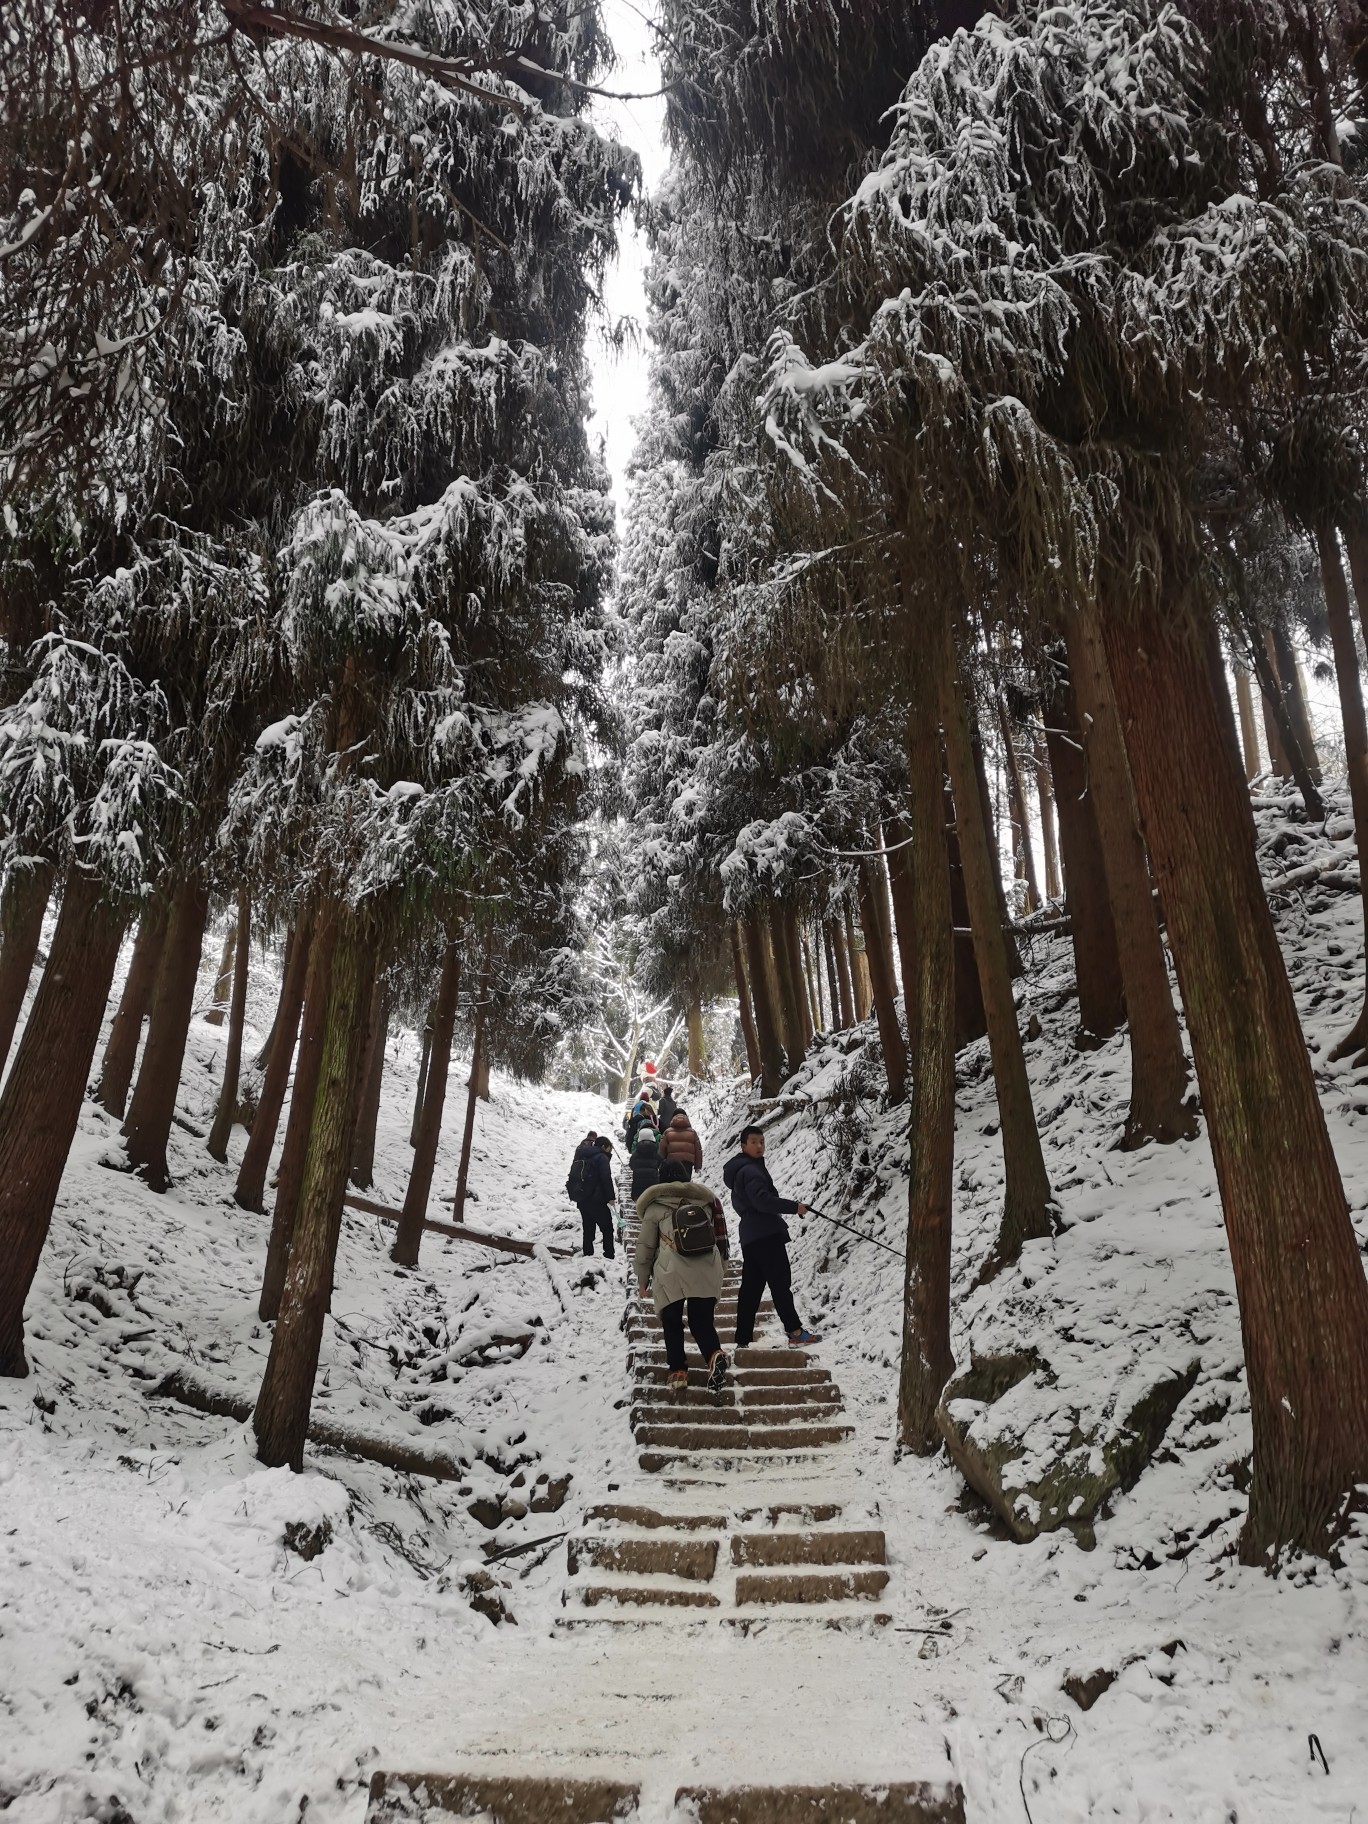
[{"x": 508, "y": 1799}]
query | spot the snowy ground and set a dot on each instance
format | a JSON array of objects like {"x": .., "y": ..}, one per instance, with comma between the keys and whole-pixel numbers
[{"x": 162, "y": 1656}]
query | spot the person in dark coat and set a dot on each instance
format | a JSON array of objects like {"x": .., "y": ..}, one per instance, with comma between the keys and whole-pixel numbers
[
  {"x": 668, "y": 1108},
  {"x": 578, "y": 1178},
  {"x": 764, "y": 1236},
  {"x": 598, "y": 1197},
  {"x": 681, "y": 1145},
  {"x": 645, "y": 1160}
]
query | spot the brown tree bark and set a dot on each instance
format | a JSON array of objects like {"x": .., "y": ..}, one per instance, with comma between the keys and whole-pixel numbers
[
  {"x": 250, "y": 1191},
  {"x": 1276, "y": 700},
  {"x": 1298, "y": 1275},
  {"x": 1159, "y": 1072},
  {"x": 409, "y": 1236},
  {"x": 1249, "y": 728},
  {"x": 468, "y": 1134},
  {"x": 294, "y": 1153},
  {"x": 1356, "y": 544},
  {"x": 766, "y": 1024},
  {"x": 1014, "y": 964},
  {"x": 1268, "y": 699},
  {"x": 1026, "y": 1202},
  {"x": 693, "y": 1016},
  {"x": 970, "y": 1020},
  {"x": 147, "y": 1128},
  {"x": 1355, "y": 736},
  {"x": 281, "y": 1418},
  {"x": 1016, "y": 792},
  {"x": 1054, "y": 880},
  {"x": 226, "y": 1113},
  {"x": 743, "y": 1002},
  {"x": 125, "y": 1034},
  {"x": 41, "y": 1102},
  {"x": 927, "y": 1359},
  {"x": 1289, "y": 676},
  {"x": 881, "y": 981},
  {"x": 859, "y": 969},
  {"x": 828, "y": 961},
  {"x": 812, "y": 968},
  {"x": 263, "y": 1057},
  {"x": 372, "y": 1081},
  {"x": 1097, "y": 961},
  {"x": 1220, "y": 690},
  {"x": 22, "y": 907},
  {"x": 416, "y": 1124},
  {"x": 844, "y": 985},
  {"x": 482, "y": 1074},
  {"x": 223, "y": 981},
  {"x": 790, "y": 1013},
  {"x": 788, "y": 920}
]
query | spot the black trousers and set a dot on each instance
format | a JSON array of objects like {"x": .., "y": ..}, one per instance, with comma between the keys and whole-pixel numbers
[
  {"x": 765, "y": 1263},
  {"x": 597, "y": 1216},
  {"x": 701, "y": 1325}
]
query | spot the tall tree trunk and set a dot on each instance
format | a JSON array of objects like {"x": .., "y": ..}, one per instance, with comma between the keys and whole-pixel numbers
[
  {"x": 693, "y": 1015},
  {"x": 41, "y": 1103},
  {"x": 1289, "y": 675},
  {"x": 927, "y": 1358},
  {"x": 812, "y": 966},
  {"x": 294, "y": 1153},
  {"x": 223, "y": 981},
  {"x": 416, "y": 1124},
  {"x": 468, "y": 1134},
  {"x": 226, "y": 1113},
  {"x": 409, "y": 1237},
  {"x": 281, "y": 1418},
  {"x": 1159, "y": 1072},
  {"x": 263, "y": 1057},
  {"x": 899, "y": 851},
  {"x": 1009, "y": 943},
  {"x": 125, "y": 1034},
  {"x": 1097, "y": 960},
  {"x": 881, "y": 980},
  {"x": 372, "y": 1081},
  {"x": 833, "y": 985},
  {"x": 1026, "y": 1200},
  {"x": 1356, "y": 544},
  {"x": 844, "y": 984},
  {"x": 250, "y": 1191},
  {"x": 1220, "y": 690},
  {"x": 1054, "y": 885},
  {"x": 1249, "y": 728},
  {"x": 859, "y": 969},
  {"x": 1016, "y": 792},
  {"x": 1269, "y": 699},
  {"x": 1290, "y": 748},
  {"x": 788, "y": 920},
  {"x": 1298, "y": 1275},
  {"x": 766, "y": 1023},
  {"x": 970, "y": 1020},
  {"x": 1355, "y": 736},
  {"x": 743, "y": 1002},
  {"x": 23, "y": 903},
  {"x": 153, "y": 1108},
  {"x": 790, "y": 1009},
  {"x": 482, "y": 1075}
]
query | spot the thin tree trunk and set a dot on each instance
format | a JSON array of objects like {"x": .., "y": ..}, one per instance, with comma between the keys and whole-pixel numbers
[
  {"x": 970, "y": 1020},
  {"x": 1356, "y": 544},
  {"x": 482, "y": 1075},
  {"x": 859, "y": 970},
  {"x": 1298, "y": 1275},
  {"x": 1268, "y": 700},
  {"x": 263, "y": 1057},
  {"x": 281, "y": 1418},
  {"x": 693, "y": 1015},
  {"x": 153, "y": 1107},
  {"x": 927, "y": 1358},
  {"x": 881, "y": 980},
  {"x": 1026, "y": 1201},
  {"x": 1016, "y": 792},
  {"x": 1249, "y": 728},
  {"x": 41, "y": 1103},
  {"x": 372, "y": 1081},
  {"x": 416, "y": 1124},
  {"x": 250, "y": 1190},
  {"x": 790, "y": 1009},
  {"x": 1277, "y": 701},
  {"x": 409, "y": 1236},
  {"x": 898, "y": 849},
  {"x": 845, "y": 987},
  {"x": 223, "y": 981},
  {"x": 743, "y": 1002},
  {"x": 294, "y": 1153},
  {"x": 125, "y": 1033},
  {"x": 1220, "y": 690},
  {"x": 1009, "y": 942},
  {"x": 766, "y": 1025},
  {"x": 1054, "y": 885},
  {"x": 1355, "y": 736},
  {"x": 813, "y": 968},
  {"x": 1097, "y": 960},
  {"x": 833, "y": 985},
  {"x": 1289, "y": 674},
  {"x": 788, "y": 920},
  {"x": 28, "y": 887},
  {"x": 226, "y": 1113},
  {"x": 468, "y": 1135},
  {"x": 1159, "y": 1072}
]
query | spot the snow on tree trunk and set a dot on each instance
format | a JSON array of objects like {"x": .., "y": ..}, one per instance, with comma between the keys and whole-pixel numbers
[
  {"x": 250, "y": 1190},
  {"x": 148, "y": 1127},
  {"x": 226, "y": 1113},
  {"x": 409, "y": 1237},
  {"x": 22, "y": 906},
  {"x": 125, "y": 1034}
]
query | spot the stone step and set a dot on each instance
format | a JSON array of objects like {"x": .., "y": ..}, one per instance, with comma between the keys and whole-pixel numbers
[
  {"x": 864, "y": 1547},
  {"x": 626, "y": 1513},
  {"x": 644, "y": 1596},
  {"x": 817, "y": 1393},
  {"x": 674, "y": 1409},
  {"x": 808, "y": 1513},
  {"x": 723, "y": 1437},
  {"x": 693, "y": 1560},
  {"x": 897, "y": 1802},
  {"x": 716, "y": 1466},
  {"x": 398, "y": 1798},
  {"x": 653, "y": 1371},
  {"x": 653, "y": 1356},
  {"x": 809, "y": 1586}
]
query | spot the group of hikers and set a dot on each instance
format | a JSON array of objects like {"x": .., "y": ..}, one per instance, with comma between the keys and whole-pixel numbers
[{"x": 682, "y": 1243}]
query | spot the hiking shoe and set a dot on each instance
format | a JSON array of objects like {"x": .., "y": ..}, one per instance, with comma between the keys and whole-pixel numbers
[
  {"x": 677, "y": 1381},
  {"x": 801, "y": 1338},
  {"x": 717, "y": 1372}
]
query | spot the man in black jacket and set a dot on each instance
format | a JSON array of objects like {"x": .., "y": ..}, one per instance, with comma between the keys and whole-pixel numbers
[
  {"x": 763, "y": 1234},
  {"x": 598, "y": 1196}
]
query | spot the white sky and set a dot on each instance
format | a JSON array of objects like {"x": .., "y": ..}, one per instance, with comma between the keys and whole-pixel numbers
[{"x": 620, "y": 379}]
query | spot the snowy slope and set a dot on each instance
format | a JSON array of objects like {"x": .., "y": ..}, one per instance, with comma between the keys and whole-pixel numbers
[{"x": 163, "y": 1656}]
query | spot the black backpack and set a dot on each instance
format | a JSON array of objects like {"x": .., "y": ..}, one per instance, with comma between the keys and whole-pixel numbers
[
  {"x": 692, "y": 1229},
  {"x": 578, "y": 1181}
]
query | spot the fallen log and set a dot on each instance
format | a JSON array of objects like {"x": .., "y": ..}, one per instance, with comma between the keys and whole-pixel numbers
[{"x": 458, "y": 1231}]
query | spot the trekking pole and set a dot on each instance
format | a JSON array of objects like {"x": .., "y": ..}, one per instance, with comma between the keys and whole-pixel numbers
[{"x": 873, "y": 1240}]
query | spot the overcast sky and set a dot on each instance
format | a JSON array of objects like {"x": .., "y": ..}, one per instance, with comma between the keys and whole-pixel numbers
[{"x": 620, "y": 379}]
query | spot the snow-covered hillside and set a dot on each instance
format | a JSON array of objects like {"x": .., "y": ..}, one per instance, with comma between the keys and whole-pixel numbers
[{"x": 164, "y": 1655}]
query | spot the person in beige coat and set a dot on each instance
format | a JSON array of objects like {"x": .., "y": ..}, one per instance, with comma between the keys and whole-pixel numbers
[{"x": 680, "y": 1280}]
